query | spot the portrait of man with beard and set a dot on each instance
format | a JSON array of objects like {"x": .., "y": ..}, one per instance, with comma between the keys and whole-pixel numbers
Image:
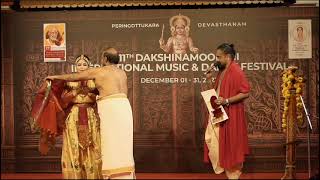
[{"x": 53, "y": 37}]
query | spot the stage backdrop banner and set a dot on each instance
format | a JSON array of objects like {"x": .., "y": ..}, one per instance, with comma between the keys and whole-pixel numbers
[{"x": 165, "y": 54}]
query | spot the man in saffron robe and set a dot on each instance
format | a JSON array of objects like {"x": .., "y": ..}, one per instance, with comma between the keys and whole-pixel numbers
[{"x": 227, "y": 141}]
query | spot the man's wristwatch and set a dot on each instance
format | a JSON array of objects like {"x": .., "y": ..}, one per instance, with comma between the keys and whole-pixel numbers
[{"x": 227, "y": 102}]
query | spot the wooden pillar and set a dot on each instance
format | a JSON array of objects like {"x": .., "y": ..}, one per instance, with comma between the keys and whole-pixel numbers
[
  {"x": 290, "y": 169},
  {"x": 7, "y": 95}
]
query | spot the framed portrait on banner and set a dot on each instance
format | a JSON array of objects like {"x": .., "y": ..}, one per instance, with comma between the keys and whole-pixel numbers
[
  {"x": 54, "y": 42},
  {"x": 299, "y": 39}
]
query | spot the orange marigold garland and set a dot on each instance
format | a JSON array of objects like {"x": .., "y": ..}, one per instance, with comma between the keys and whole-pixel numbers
[{"x": 291, "y": 81}]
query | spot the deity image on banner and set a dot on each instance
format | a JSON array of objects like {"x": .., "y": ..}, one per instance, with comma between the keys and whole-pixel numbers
[{"x": 180, "y": 41}]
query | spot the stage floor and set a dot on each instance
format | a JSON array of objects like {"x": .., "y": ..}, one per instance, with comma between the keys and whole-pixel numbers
[{"x": 159, "y": 176}]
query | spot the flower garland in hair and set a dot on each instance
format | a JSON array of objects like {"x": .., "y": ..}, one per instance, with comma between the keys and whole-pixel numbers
[{"x": 292, "y": 81}]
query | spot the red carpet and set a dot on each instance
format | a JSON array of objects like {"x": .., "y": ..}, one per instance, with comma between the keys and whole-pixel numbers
[{"x": 159, "y": 176}]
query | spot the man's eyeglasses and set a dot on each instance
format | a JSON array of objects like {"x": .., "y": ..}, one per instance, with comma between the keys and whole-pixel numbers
[{"x": 217, "y": 112}]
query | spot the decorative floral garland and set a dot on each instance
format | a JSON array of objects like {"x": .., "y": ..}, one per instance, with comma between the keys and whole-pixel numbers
[{"x": 291, "y": 82}]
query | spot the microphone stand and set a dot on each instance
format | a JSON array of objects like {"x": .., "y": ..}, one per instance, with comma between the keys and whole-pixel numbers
[{"x": 308, "y": 132}]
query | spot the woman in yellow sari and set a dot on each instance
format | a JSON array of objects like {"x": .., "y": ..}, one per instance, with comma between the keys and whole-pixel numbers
[
  {"x": 69, "y": 108},
  {"x": 81, "y": 150}
]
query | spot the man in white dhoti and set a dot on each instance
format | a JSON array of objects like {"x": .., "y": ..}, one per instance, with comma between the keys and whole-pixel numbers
[{"x": 115, "y": 112}]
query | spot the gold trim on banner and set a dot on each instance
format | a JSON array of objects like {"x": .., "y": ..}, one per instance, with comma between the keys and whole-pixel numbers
[{"x": 121, "y": 3}]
